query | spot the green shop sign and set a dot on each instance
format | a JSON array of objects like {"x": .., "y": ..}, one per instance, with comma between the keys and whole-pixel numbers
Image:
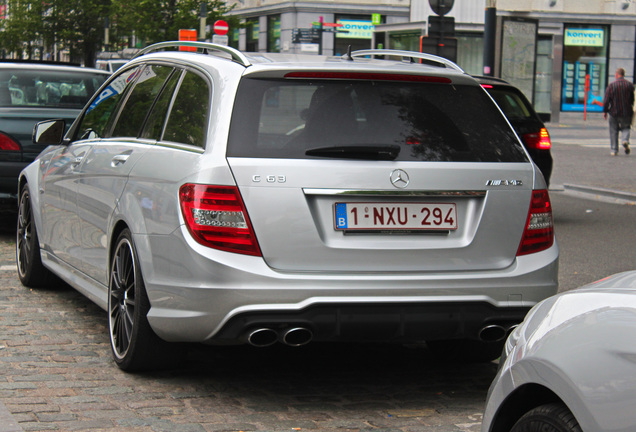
[{"x": 584, "y": 37}]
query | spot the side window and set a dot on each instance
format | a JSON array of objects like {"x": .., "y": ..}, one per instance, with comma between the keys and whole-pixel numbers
[
  {"x": 188, "y": 118},
  {"x": 98, "y": 115},
  {"x": 157, "y": 116},
  {"x": 147, "y": 87}
]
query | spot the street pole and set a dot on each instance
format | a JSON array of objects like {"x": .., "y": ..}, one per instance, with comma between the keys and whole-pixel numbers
[
  {"x": 490, "y": 32},
  {"x": 320, "y": 21},
  {"x": 203, "y": 14}
]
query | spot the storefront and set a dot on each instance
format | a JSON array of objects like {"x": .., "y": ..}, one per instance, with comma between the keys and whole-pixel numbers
[{"x": 585, "y": 60}]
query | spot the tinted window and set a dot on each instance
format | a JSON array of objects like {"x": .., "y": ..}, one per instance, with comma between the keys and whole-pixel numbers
[
  {"x": 157, "y": 117},
  {"x": 188, "y": 119},
  {"x": 406, "y": 121},
  {"x": 147, "y": 87},
  {"x": 98, "y": 115},
  {"x": 32, "y": 88}
]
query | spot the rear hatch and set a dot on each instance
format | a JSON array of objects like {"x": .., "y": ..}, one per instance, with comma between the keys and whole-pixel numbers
[{"x": 373, "y": 172}]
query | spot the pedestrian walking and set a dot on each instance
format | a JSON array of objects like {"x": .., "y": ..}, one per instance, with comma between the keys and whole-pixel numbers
[{"x": 619, "y": 104}]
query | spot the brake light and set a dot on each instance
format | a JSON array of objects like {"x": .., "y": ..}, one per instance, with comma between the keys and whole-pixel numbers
[
  {"x": 216, "y": 217},
  {"x": 9, "y": 144},
  {"x": 486, "y": 86},
  {"x": 538, "y": 140},
  {"x": 539, "y": 232},
  {"x": 371, "y": 76}
]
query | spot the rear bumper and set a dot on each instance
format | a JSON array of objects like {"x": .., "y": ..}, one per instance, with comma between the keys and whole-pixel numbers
[
  {"x": 383, "y": 322},
  {"x": 220, "y": 300}
]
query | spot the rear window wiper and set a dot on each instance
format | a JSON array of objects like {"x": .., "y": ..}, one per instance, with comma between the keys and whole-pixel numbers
[{"x": 366, "y": 152}]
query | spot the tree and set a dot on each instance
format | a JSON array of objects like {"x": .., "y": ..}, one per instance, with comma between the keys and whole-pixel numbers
[
  {"x": 74, "y": 24},
  {"x": 160, "y": 20},
  {"x": 78, "y": 25},
  {"x": 23, "y": 29}
]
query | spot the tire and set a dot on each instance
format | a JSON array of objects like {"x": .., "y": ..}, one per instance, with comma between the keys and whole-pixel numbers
[
  {"x": 554, "y": 417},
  {"x": 31, "y": 271},
  {"x": 134, "y": 345},
  {"x": 466, "y": 350}
]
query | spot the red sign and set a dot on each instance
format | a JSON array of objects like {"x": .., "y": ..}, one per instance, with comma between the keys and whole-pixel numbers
[
  {"x": 187, "y": 35},
  {"x": 221, "y": 27}
]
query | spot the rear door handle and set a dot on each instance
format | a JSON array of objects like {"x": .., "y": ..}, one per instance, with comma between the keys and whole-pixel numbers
[{"x": 120, "y": 159}]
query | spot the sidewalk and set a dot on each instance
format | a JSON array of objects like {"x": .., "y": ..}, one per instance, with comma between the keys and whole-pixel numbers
[{"x": 582, "y": 160}]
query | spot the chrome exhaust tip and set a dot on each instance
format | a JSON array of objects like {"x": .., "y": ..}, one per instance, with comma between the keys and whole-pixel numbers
[
  {"x": 262, "y": 337},
  {"x": 297, "y": 336},
  {"x": 492, "y": 333}
]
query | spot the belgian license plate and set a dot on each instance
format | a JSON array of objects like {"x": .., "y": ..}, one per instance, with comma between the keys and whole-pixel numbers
[{"x": 396, "y": 216}]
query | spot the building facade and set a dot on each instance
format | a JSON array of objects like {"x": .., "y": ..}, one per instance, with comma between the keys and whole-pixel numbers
[{"x": 561, "y": 53}]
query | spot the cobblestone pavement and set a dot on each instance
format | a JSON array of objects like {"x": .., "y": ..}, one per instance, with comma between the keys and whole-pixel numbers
[{"x": 57, "y": 375}]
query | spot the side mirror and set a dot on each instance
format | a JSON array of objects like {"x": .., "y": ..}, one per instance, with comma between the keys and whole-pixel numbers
[{"x": 49, "y": 132}]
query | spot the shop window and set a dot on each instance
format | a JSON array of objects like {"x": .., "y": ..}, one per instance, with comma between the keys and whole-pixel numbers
[
  {"x": 543, "y": 75},
  {"x": 584, "y": 58},
  {"x": 273, "y": 33},
  {"x": 409, "y": 41},
  {"x": 252, "y": 30},
  {"x": 470, "y": 53}
]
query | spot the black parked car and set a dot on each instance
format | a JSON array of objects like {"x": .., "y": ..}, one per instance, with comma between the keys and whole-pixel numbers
[
  {"x": 524, "y": 120},
  {"x": 29, "y": 93}
]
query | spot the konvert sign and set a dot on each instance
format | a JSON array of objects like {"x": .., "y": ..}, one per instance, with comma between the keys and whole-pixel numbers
[
  {"x": 584, "y": 37},
  {"x": 356, "y": 29}
]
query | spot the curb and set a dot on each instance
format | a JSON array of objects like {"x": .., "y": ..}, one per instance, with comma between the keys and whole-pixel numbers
[{"x": 610, "y": 193}]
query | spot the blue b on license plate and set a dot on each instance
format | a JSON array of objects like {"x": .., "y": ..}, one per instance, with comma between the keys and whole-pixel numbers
[{"x": 395, "y": 216}]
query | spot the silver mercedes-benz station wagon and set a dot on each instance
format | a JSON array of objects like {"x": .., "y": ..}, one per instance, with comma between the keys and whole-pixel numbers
[{"x": 225, "y": 198}]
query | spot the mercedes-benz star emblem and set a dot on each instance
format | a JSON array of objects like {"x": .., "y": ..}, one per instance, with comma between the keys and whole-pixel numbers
[{"x": 399, "y": 179}]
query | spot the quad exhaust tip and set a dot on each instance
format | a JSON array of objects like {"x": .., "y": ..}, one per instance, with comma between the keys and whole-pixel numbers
[
  {"x": 493, "y": 333},
  {"x": 295, "y": 336},
  {"x": 262, "y": 337},
  {"x": 496, "y": 332}
]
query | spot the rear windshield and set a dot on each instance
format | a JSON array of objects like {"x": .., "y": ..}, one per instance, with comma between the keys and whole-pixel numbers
[
  {"x": 382, "y": 120},
  {"x": 30, "y": 87}
]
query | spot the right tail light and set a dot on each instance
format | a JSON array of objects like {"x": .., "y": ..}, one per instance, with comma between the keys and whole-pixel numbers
[{"x": 538, "y": 234}]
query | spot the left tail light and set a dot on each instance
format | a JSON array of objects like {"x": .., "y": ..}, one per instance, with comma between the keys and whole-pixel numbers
[
  {"x": 538, "y": 140},
  {"x": 539, "y": 231},
  {"x": 216, "y": 217}
]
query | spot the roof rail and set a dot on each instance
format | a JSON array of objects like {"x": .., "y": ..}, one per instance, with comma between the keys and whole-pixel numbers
[
  {"x": 407, "y": 54},
  {"x": 236, "y": 55}
]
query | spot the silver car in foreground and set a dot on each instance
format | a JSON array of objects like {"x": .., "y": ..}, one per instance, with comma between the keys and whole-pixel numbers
[
  {"x": 571, "y": 365},
  {"x": 226, "y": 198}
]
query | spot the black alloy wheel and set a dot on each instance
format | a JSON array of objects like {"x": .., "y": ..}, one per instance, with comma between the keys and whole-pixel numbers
[
  {"x": 30, "y": 269},
  {"x": 134, "y": 345}
]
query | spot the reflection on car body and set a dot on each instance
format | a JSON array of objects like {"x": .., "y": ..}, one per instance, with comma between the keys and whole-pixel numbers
[{"x": 569, "y": 367}]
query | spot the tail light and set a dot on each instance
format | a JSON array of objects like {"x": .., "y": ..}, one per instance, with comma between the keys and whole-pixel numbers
[
  {"x": 9, "y": 144},
  {"x": 216, "y": 218},
  {"x": 538, "y": 140},
  {"x": 539, "y": 232}
]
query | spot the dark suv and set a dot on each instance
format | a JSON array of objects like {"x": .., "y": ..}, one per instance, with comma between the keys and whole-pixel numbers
[{"x": 524, "y": 120}]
